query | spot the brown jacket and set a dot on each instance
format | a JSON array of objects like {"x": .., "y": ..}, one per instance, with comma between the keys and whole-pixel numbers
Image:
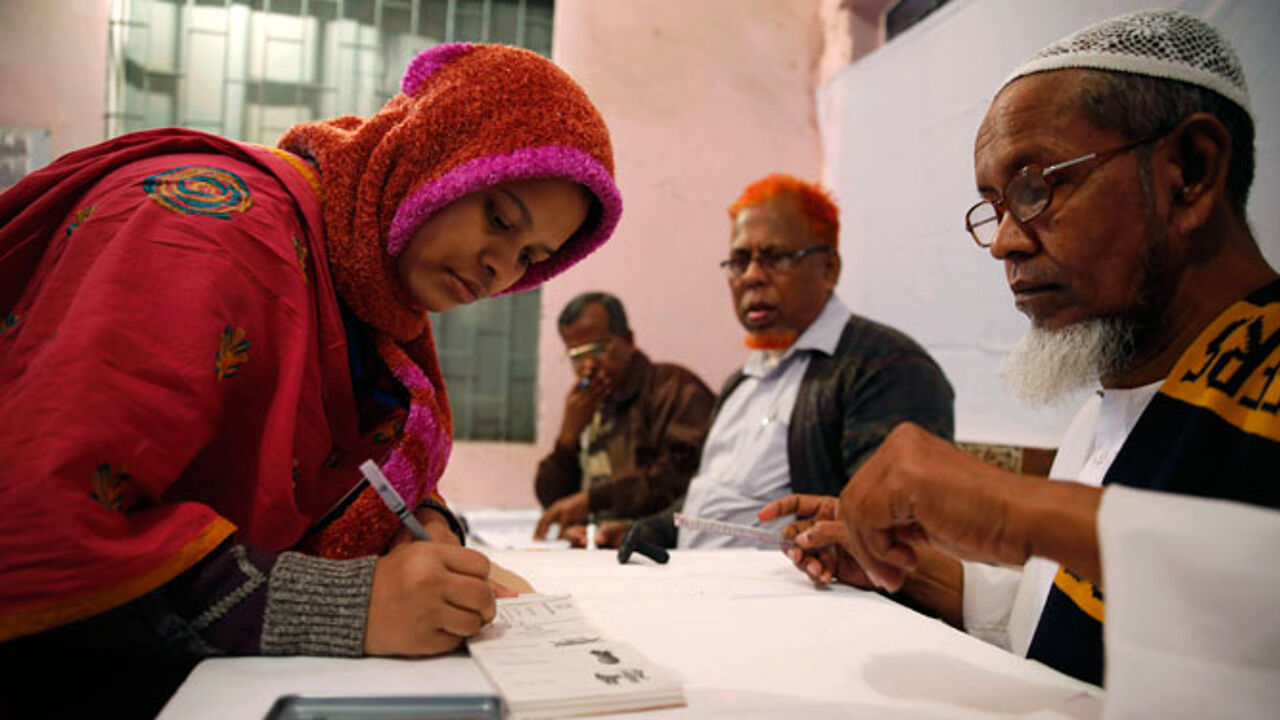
[{"x": 653, "y": 426}]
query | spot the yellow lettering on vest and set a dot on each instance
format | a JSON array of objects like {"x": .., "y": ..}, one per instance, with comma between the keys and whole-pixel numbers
[
  {"x": 1231, "y": 369},
  {"x": 1081, "y": 592}
]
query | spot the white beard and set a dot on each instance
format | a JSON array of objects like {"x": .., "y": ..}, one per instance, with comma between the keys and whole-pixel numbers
[{"x": 1046, "y": 366}]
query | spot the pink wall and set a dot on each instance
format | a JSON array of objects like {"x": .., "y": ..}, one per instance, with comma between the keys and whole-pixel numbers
[
  {"x": 701, "y": 99},
  {"x": 53, "y": 59}
]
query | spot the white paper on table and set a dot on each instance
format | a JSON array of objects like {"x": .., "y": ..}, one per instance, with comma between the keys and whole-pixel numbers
[{"x": 547, "y": 659}]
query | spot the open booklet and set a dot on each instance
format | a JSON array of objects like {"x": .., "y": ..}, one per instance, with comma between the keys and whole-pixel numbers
[{"x": 549, "y": 661}]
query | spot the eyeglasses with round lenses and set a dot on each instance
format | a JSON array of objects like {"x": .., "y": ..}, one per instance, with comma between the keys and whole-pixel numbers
[
  {"x": 770, "y": 260},
  {"x": 1029, "y": 193},
  {"x": 579, "y": 354}
]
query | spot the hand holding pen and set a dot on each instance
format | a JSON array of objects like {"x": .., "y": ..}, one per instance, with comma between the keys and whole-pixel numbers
[
  {"x": 815, "y": 539},
  {"x": 426, "y": 596},
  {"x": 426, "y": 524},
  {"x": 391, "y": 497}
]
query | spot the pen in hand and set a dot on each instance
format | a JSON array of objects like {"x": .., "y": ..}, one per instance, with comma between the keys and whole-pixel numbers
[{"x": 388, "y": 493}]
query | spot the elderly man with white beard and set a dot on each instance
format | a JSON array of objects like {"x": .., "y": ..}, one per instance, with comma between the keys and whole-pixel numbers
[{"x": 1114, "y": 168}]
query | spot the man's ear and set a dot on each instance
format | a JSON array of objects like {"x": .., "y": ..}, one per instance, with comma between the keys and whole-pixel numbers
[
  {"x": 831, "y": 274},
  {"x": 628, "y": 340},
  {"x": 1200, "y": 153}
]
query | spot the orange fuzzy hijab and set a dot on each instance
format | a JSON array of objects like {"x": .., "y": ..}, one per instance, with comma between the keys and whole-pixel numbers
[{"x": 468, "y": 117}]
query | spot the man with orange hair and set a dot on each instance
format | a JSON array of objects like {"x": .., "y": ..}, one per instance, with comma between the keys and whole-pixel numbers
[{"x": 821, "y": 387}]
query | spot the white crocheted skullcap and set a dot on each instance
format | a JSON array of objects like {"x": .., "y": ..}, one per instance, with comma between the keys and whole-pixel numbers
[{"x": 1168, "y": 44}]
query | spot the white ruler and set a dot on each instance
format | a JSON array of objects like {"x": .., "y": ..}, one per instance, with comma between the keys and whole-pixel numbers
[{"x": 761, "y": 535}]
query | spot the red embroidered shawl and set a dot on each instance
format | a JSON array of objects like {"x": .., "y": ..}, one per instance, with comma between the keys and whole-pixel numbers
[
  {"x": 172, "y": 369},
  {"x": 172, "y": 360}
]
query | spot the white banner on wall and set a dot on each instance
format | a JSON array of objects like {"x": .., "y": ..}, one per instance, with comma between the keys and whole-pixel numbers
[{"x": 897, "y": 129}]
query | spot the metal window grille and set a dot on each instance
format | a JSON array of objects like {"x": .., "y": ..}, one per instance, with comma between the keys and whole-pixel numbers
[{"x": 249, "y": 69}]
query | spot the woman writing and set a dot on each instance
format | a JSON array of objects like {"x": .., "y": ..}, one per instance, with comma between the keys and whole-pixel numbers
[{"x": 203, "y": 339}]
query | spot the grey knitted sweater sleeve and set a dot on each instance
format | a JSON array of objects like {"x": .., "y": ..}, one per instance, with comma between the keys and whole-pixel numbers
[
  {"x": 316, "y": 606},
  {"x": 284, "y": 603},
  {"x": 238, "y": 600}
]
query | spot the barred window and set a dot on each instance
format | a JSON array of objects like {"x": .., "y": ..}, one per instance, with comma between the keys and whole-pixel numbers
[{"x": 250, "y": 69}]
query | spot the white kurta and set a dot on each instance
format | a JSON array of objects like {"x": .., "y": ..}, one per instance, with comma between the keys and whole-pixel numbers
[{"x": 1003, "y": 605}]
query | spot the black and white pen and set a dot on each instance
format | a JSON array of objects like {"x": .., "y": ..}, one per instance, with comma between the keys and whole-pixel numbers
[{"x": 388, "y": 493}]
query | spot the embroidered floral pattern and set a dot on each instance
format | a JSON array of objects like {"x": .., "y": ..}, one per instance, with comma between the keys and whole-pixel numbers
[
  {"x": 78, "y": 219},
  {"x": 233, "y": 350},
  {"x": 199, "y": 191},
  {"x": 301, "y": 252},
  {"x": 113, "y": 488}
]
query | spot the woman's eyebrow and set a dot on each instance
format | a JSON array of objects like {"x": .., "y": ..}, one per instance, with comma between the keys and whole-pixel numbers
[{"x": 525, "y": 218}]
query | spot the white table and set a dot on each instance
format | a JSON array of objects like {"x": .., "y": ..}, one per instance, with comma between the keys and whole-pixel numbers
[{"x": 751, "y": 637}]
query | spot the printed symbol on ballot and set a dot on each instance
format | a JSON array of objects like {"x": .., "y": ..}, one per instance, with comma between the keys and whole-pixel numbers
[
  {"x": 632, "y": 675},
  {"x": 605, "y": 657}
]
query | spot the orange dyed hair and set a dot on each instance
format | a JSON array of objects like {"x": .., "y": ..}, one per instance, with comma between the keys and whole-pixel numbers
[{"x": 815, "y": 204}]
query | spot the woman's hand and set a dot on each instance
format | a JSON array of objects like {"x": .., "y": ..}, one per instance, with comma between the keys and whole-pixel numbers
[
  {"x": 502, "y": 591},
  {"x": 426, "y": 598}
]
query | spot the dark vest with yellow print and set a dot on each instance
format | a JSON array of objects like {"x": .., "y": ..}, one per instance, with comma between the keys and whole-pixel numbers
[{"x": 1213, "y": 430}]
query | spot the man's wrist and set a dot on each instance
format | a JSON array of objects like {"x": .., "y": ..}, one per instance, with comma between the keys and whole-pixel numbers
[
  {"x": 600, "y": 496},
  {"x": 935, "y": 587},
  {"x": 1060, "y": 522},
  {"x": 567, "y": 442}
]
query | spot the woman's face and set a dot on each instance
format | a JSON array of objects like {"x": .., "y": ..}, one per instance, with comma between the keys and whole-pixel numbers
[{"x": 482, "y": 243}]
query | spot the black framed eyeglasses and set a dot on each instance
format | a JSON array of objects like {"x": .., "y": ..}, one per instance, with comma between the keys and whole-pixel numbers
[
  {"x": 770, "y": 260},
  {"x": 1030, "y": 191},
  {"x": 579, "y": 354}
]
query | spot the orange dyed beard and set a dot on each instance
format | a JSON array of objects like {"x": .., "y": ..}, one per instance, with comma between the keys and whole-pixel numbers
[{"x": 770, "y": 341}]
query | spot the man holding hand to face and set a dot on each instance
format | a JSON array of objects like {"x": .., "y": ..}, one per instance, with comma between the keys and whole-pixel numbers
[{"x": 632, "y": 430}]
